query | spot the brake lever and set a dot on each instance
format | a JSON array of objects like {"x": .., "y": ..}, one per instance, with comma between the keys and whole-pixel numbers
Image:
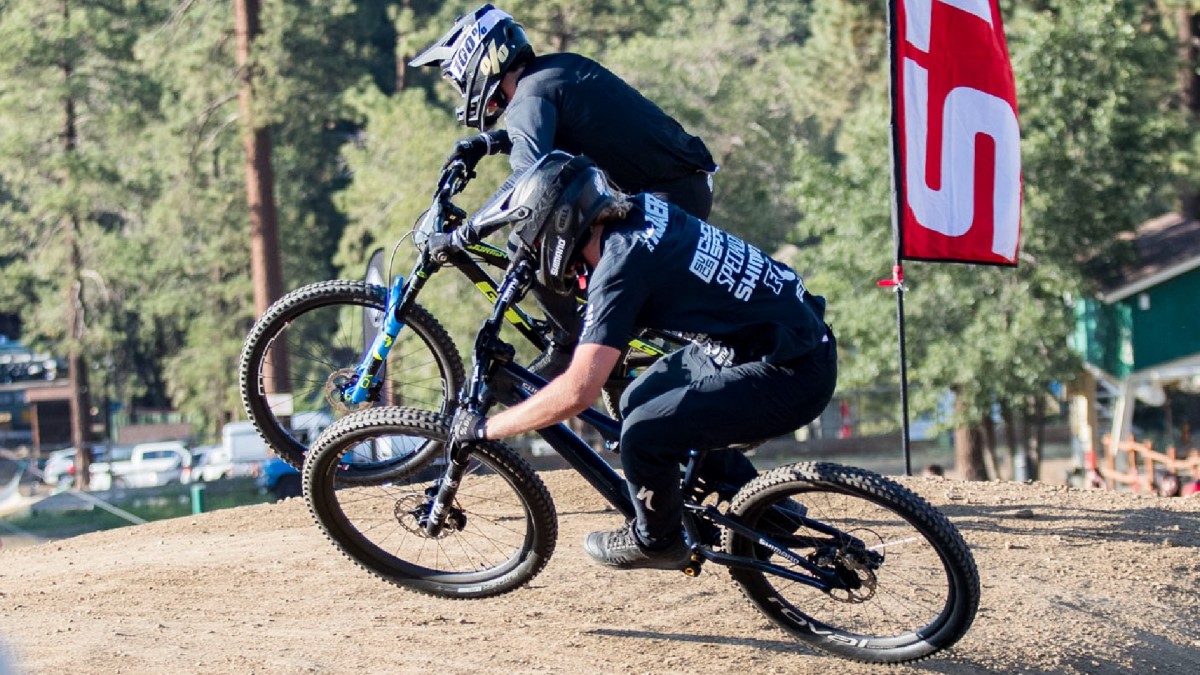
[{"x": 454, "y": 179}]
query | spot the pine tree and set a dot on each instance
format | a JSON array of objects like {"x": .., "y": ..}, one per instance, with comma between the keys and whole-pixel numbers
[{"x": 72, "y": 96}]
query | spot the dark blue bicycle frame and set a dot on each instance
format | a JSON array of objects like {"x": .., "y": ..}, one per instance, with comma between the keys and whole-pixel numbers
[
  {"x": 601, "y": 475},
  {"x": 493, "y": 363}
]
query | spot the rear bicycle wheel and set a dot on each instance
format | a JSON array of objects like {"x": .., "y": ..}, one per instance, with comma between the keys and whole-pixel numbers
[
  {"x": 314, "y": 335},
  {"x": 913, "y": 585},
  {"x": 500, "y": 530}
]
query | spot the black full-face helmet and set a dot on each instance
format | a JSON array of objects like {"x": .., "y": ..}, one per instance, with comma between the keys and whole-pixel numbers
[
  {"x": 551, "y": 207},
  {"x": 475, "y": 55}
]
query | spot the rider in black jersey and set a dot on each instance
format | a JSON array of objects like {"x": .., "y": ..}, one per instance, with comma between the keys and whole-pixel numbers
[
  {"x": 563, "y": 102},
  {"x": 767, "y": 363}
]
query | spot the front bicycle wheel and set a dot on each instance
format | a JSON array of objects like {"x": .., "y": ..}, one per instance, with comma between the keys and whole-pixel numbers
[
  {"x": 303, "y": 349},
  {"x": 909, "y": 586},
  {"x": 500, "y": 529}
]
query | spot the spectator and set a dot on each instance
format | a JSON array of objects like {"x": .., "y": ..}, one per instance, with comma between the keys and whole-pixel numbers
[{"x": 1192, "y": 489}]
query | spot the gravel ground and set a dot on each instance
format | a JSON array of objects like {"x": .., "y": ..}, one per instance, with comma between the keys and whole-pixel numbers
[{"x": 1073, "y": 582}]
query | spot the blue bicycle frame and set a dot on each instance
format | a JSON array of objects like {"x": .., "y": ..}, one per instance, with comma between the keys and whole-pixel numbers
[{"x": 443, "y": 214}]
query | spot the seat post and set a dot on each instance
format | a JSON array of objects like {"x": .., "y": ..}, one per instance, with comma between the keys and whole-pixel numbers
[{"x": 691, "y": 470}]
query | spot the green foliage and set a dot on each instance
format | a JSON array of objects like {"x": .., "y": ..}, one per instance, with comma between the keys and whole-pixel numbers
[
  {"x": 792, "y": 98},
  {"x": 74, "y": 97},
  {"x": 726, "y": 70},
  {"x": 1093, "y": 78}
]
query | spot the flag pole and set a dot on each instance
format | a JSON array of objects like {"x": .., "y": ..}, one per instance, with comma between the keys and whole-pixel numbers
[{"x": 897, "y": 280}]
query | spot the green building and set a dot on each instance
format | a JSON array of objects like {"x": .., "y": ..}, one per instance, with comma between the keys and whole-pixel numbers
[{"x": 1140, "y": 336}]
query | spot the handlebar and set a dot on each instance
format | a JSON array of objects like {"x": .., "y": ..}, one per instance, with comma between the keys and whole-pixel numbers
[{"x": 453, "y": 180}]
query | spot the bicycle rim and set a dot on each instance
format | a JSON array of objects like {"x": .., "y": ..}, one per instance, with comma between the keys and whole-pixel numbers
[
  {"x": 917, "y": 585},
  {"x": 500, "y": 529},
  {"x": 317, "y": 332}
]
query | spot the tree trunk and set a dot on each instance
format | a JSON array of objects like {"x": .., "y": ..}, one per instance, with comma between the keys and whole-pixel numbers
[
  {"x": 1037, "y": 438},
  {"x": 1010, "y": 438},
  {"x": 80, "y": 426},
  {"x": 265, "y": 271},
  {"x": 989, "y": 443},
  {"x": 968, "y": 447},
  {"x": 79, "y": 402},
  {"x": 1188, "y": 23},
  {"x": 76, "y": 320}
]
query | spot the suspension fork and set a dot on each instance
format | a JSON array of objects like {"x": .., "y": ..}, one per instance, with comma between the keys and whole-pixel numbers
[
  {"x": 400, "y": 298},
  {"x": 488, "y": 349}
]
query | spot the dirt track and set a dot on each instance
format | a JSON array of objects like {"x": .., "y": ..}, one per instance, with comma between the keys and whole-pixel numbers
[{"x": 1091, "y": 583}]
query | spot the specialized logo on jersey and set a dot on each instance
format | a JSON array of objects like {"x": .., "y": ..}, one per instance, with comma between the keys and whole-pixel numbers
[
  {"x": 728, "y": 261},
  {"x": 657, "y": 215}
]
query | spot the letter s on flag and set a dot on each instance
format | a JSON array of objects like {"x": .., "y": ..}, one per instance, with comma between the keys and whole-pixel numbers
[{"x": 956, "y": 133}]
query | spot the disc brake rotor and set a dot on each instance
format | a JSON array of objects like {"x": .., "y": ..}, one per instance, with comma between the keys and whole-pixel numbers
[
  {"x": 412, "y": 512},
  {"x": 860, "y": 563},
  {"x": 338, "y": 386}
]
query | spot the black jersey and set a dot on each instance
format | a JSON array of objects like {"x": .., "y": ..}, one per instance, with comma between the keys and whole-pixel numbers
[
  {"x": 569, "y": 102},
  {"x": 661, "y": 268}
]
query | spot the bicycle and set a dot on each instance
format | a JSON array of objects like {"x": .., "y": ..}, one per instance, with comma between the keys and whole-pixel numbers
[
  {"x": 412, "y": 361},
  {"x": 889, "y": 576}
]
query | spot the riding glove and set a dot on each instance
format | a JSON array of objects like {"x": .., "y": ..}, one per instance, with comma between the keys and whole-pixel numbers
[
  {"x": 474, "y": 148},
  {"x": 442, "y": 245},
  {"x": 467, "y": 427}
]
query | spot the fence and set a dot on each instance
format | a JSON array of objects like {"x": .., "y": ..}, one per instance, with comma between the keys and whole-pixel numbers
[{"x": 1138, "y": 466}]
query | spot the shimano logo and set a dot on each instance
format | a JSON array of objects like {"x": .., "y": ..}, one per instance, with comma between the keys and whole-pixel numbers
[{"x": 556, "y": 261}]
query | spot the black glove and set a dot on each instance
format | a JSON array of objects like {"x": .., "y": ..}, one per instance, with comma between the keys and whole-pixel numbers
[
  {"x": 443, "y": 245},
  {"x": 467, "y": 427},
  {"x": 474, "y": 148}
]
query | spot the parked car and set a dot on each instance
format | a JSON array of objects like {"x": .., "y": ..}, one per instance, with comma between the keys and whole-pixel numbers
[
  {"x": 201, "y": 469},
  {"x": 279, "y": 478},
  {"x": 59, "y": 468},
  {"x": 148, "y": 465}
]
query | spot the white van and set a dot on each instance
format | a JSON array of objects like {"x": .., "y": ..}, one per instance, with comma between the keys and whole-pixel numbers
[
  {"x": 239, "y": 454},
  {"x": 242, "y": 450}
]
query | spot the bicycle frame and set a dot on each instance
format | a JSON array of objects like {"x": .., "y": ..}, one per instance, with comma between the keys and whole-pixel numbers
[
  {"x": 402, "y": 294},
  {"x": 493, "y": 369}
]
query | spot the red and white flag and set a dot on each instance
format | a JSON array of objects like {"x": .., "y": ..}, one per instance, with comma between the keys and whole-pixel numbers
[{"x": 957, "y": 143}]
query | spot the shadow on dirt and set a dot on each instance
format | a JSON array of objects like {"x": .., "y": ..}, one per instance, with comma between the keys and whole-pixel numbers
[
  {"x": 1147, "y": 526},
  {"x": 946, "y": 662},
  {"x": 784, "y": 646},
  {"x": 1153, "y": 653}
]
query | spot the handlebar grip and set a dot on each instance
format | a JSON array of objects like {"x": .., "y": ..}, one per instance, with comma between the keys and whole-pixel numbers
[{"x": 454, "y": 179}]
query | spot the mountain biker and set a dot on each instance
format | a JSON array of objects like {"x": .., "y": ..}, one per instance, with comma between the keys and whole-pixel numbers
[
  {"x": 767, "y": 365},
  {"x": 565, "y": 102}
]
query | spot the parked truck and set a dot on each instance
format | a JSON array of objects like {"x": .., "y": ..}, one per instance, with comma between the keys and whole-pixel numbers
[{"x": 146, "y": 465}]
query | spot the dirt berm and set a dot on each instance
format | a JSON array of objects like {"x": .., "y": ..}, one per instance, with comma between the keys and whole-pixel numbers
[{"x": 1073, "y": 582}]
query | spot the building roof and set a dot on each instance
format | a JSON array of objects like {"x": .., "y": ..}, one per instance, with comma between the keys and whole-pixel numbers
[{"x": 1163, "y": 247}]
